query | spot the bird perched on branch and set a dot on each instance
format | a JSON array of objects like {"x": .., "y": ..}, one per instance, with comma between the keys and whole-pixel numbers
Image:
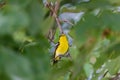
[{"x": 61, "y": 48}]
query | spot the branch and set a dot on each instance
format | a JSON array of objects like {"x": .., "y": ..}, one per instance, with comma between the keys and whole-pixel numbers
[{"x": 53, "y": 10}]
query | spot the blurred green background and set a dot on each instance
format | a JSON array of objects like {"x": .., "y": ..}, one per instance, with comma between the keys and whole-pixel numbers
[{"x": 24, "y": 48}]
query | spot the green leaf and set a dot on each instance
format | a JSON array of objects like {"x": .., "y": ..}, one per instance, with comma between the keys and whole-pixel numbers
[
  {"x": 109, "y": 53},
  {"x": 15, "y": 66},
  {"x": 12, "y": 18},
  {"x": 113, "y": 65},
  {"x": 88, "y": 27},
  {"x": 88, "y": 69},
  {"x": 111, "y": 20}
]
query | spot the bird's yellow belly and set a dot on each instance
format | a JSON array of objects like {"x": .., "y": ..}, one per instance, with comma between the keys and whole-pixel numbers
[{"x": 62, "y": 49}]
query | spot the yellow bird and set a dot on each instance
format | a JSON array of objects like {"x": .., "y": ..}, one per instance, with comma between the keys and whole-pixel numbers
[{"x": 61, "y": 48}]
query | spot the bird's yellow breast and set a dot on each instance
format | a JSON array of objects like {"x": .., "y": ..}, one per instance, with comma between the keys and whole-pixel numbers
[{"x": 63, "y": 46}]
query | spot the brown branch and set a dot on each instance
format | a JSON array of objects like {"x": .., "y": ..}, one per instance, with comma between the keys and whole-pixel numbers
[
  {"x": 59, "y": 25},
  {"x": 51, "y": 34},
  {"x": 57, "y": 5},
  {"x": 67, "y": 21},
  {"x": 53, "y": 10}
]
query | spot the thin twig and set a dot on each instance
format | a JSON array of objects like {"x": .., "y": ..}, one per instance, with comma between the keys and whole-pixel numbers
[
  {"x": 59, "y": 25},
  {"x": 57, "y": 5},
  {"x": 67, "y": 21},
  {"x": 51, "y": 35},
  {"x": 55, "y": 16}
]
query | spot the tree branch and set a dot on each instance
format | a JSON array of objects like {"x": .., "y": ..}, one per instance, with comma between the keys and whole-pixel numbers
[{"x": 53, "y": 10}]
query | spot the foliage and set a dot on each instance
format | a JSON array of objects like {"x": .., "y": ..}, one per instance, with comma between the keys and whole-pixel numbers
[{"x": 24, "y": 47}]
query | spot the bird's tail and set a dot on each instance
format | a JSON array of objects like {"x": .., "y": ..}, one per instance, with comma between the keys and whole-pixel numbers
[{"x": 55, "y": 61}]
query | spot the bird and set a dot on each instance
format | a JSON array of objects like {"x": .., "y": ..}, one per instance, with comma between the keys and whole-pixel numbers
[{"x": 62, "y": 48}]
